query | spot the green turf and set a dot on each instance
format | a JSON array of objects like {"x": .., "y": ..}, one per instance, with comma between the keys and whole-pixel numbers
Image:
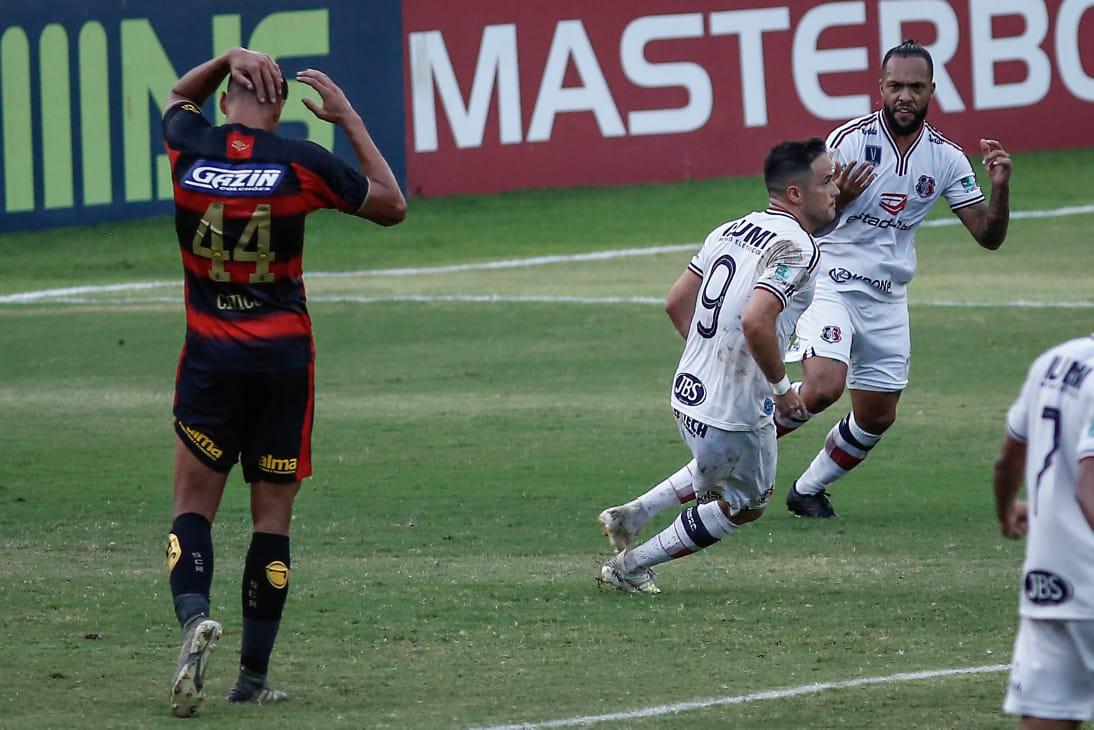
[
  {"x": 468, "y": 228},
  {"x": 444, "y": 553}
]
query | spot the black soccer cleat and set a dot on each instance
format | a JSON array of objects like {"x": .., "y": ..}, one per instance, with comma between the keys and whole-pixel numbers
[{"x": 816, "y": 506}]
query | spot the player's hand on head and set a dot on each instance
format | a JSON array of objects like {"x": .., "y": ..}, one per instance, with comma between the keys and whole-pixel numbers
[
  {"x": 258, "y": 72},
  {"x": 996, "y": 160},
  {"x": 336, "y": 107}
]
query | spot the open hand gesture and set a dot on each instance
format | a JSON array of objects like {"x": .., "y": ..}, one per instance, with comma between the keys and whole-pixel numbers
[
  {"x": 336, "y": 107},
  {"x": 852, "y": 179},
  {"x": 997, "y": 161}
]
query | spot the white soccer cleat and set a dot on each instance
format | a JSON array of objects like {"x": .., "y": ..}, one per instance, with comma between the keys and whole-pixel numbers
[
  {"x": 188, "y": 685},
  {"x": 641, "y": 581},
  {"x": 621, "y": 524}
]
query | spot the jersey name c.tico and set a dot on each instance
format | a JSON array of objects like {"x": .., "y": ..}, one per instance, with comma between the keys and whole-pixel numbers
[
  {"x": 872, "y": 250},
  {"x": 241, "y": 197},
  {"x": 717, "y": 381},
  {"x": 1054, "y": 417}
]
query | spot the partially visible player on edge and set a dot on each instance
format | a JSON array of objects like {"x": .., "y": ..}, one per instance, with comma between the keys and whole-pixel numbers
[
  {"x": 856, "y": 332},
  {"x": 1050, "y": 440},
  {"x": 735, "y": 305},
  {"x": 245, "y": 387}
]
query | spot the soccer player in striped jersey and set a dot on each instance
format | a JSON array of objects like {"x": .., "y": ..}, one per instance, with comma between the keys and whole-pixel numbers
[
  {"x": 1050, "y": 442},
  {"x": 244, "y": 389},
  {"x": 894, "y": 166},
  {"x": 736, "y": 305}
]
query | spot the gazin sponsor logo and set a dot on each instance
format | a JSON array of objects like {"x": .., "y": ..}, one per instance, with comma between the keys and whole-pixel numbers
[{"x": 224, "y": 179}]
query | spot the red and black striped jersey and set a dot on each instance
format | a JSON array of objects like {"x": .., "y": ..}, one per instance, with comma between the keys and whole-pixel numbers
[{"x": 241, "y": 197}]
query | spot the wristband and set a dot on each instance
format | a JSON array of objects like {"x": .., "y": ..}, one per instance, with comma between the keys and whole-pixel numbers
[{"x": 781, "y": 387}]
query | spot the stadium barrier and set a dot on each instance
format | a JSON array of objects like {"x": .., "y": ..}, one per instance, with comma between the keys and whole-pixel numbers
[{"x": 485, "y": 97}]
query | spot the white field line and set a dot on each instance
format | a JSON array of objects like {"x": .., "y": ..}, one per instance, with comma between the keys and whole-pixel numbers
[
  {"x": 775, "y": 694},
  {"x": 619, "y": 253},
  {"x": 531, "y": 299},
  {"x": 63, "y": 293}
]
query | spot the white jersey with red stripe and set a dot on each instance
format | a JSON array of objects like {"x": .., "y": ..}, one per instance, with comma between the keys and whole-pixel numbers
[
  {"x": 1054, "y": 417},
  {"x": 717, "y": 381},
  {"x": 872, "y": 249}
]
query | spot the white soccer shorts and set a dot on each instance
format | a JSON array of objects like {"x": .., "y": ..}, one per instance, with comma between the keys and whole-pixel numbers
[
  {"x": 1053, "y": 672},
  {"x": 871, "y": 337},
  {"x": 737, "y": 466}
]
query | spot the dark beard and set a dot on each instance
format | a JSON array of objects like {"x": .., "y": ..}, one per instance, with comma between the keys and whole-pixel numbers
[{"x": 904, "y": 130}]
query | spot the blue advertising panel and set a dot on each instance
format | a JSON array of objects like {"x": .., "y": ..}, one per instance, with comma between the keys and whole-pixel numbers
[{"x": 82, "y": 89}]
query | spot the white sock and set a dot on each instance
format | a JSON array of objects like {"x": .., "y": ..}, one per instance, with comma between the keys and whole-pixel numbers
[
  {"x": 845, "y": 447},
  {"x": 694, "y": 529},
  {"x": 672, "y": 492}
]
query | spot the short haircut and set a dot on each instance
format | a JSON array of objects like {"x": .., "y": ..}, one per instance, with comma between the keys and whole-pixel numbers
[
  {"x": 284, "y": 87},
  {"x": 789, "y": 161},
  {"x": 907, "y": 49}
]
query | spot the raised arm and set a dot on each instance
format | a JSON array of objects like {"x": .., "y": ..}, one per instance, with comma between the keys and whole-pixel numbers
[
  {"x": 987, "y": 222},
  {"x": 385, "y": 203},
  {"x": 253, "y": 70}
]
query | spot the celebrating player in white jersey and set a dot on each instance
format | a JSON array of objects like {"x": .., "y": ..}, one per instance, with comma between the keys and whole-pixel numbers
[
  {"x": 736, "y": 305},
  {"x": 893, "y": 168},
  {"x": 1050, "y": 437}
]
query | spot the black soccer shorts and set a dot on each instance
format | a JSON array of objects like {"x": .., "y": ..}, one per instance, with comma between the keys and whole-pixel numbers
[{"x": 261, "y": 419}]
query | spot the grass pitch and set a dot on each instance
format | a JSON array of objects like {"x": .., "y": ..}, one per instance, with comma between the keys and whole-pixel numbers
[{"x": 444, "y": 553}]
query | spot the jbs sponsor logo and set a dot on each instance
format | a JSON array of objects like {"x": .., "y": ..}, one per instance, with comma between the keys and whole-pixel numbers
[
  {"x": 689, "y": 390},
  {"x": 1047, "y": 589},
  {"x": 225, "y": 179},
  {"x": 274, "y": 465},
  {"x": 204, "y": 444}
]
